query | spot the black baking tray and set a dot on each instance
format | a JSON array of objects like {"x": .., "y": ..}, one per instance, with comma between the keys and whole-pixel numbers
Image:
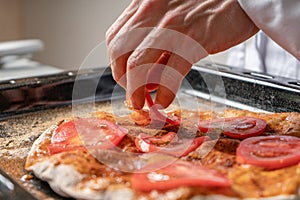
[
  {"x": 262, "y": 91},
  {"x": 39, "y": 93},
  {"x": 258, "y": 90},
  {"x": 20, "y": 96}
]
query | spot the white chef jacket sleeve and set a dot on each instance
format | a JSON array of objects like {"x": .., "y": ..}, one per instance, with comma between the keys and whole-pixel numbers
[{"x": 279, "y": 19}]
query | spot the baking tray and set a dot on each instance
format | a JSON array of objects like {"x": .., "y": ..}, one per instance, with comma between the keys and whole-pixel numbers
[
  {"x": 24, "y": 114},
  {"x": 45, "y": 92},
  {"x": 262, "y": 91},
  {"x": 247, "y": 88}
]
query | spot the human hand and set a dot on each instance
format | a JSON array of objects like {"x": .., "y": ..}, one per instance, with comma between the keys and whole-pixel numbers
[{"x": 188, "y": 30}]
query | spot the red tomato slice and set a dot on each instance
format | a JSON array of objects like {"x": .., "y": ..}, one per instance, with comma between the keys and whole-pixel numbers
[
  {"x": 270, "y": 152},
  {"x": 64, "y": 133},
  {"x": 165, "y": 139},
  {"x": 85, "y": 133},
  {"x": 93, "y": 131},
  {"x": 205, "y": 125},
  {"x": 178, "y": 174},
  {"x": 146, "y": 144},
  {"x": 58, "y": 148},
  {"x": 174, "y": 120},
  {"x": 235, "y": 127},
  {"x": 184, "y": 147}
]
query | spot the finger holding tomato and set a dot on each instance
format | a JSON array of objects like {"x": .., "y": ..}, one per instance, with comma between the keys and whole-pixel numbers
[{"x": 190, "y": 30}]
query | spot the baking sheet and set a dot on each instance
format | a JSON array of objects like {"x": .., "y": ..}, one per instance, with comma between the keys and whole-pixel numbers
[{"x": 21, "y": 122}]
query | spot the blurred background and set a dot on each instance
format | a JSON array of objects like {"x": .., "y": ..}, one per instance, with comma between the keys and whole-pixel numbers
[{"x": 70, "y": 29}]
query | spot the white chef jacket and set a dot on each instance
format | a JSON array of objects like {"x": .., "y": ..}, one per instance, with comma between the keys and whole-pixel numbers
[{"x": 276, "y": 49}]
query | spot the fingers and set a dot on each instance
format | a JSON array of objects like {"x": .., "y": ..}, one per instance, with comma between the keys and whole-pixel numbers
[
  {"x": 119, "y": 44},
  {"x": 124, "y": 37},
  {"x": 154, "y": 74},
  {"x": 118, "y": 68},
  {"x": 120, "y": 49},
  {"x": 133, "y": 48},
  {"x": 171, "y": 79},
  {"x": 138, "y": 66},
  {"x": 147, "y": 53}
]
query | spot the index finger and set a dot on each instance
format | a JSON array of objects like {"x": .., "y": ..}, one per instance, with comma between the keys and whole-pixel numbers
[
  {"x": 138, "y": 67},
  {"x": 155, "y": 72},
  {"x": 171, "y": 79}
]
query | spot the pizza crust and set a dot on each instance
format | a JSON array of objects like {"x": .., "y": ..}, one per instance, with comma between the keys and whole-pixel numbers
[{"x": 66, "y": 181}]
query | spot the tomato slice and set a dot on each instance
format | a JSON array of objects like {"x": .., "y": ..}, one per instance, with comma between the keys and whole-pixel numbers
[
  {"x": 235, "y": 127},
  {"x": 174, "y": 120},
  {"x": 178, "y": 174},
  {"x": 165, "y": 139},
  {"x": 147, "y": 143},
  {"x": 206, "y": 125},
  {"x": 64, "y": 133},
  {"x": 85, "y": 133},
  {"x": 174, "y": 147},
  {"x": 154, "y": 77},
  {"x": 270, "y": 152},
  {"x": 185, "y": 146},
  {"x": 58, "y": 148}
]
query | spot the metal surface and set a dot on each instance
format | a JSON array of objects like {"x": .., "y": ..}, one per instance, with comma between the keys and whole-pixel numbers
[
  {"x": 20, "y": 47},
  {"x": 11, "y": 190},
  {"x": 262, "y": 91},
  {"x": 44, "y": 92}
]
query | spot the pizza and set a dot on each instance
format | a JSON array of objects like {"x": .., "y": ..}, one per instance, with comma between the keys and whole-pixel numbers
[{"x": 236, "y": 154}]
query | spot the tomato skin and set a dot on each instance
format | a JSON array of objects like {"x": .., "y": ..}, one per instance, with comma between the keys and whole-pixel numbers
[
  {"x": 92, "y": 131},
  {"x": 174, "y": 120},
  {"x": 269, "y": 152},
  {"x": 205, "y": 125},
  {"x": 143, "y": 145},
  {"x": 186, "y": 146},
  {"x": 85, "y": 133},
  {"x": 64, "y": 132},
  {"x": 235, "y": 127},
  {"x": 183, "y": 147},
  {"x": 58, "y": 148},
  {"x": 167, "y": 138},
  {"x": 147, "y": 143},
  {"x": 177, "y": 174}
]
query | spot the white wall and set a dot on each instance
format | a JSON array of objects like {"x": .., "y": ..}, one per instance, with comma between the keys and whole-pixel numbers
[
  {"x": 70, "y": 29},
  {"x": 11, "y": 27}
]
